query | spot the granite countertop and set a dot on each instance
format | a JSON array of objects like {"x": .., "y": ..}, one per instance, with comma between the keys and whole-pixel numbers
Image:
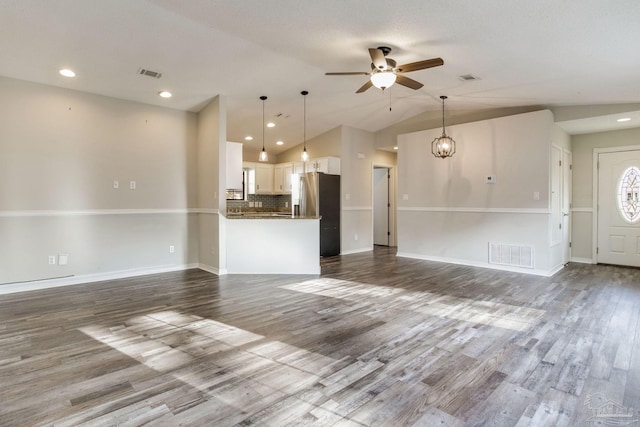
[{"x": 266, "y": 215}]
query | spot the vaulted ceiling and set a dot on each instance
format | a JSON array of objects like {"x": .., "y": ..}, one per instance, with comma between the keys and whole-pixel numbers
[{"x": 545, "y": 52}]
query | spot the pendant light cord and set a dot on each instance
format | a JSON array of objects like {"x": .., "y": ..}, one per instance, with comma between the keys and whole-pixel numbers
[
  {"x": 304, "y": 94},
  {"x": 443, "y": 98},
  {"x": 263, "y": 99}
]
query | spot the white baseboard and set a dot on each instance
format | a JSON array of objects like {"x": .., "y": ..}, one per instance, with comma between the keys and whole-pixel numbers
[
  {"x": 534, "y": 272},
  {"x": 583, "y": 260},
  {"x": 356, "y": 251},
  {"x": 213, "y": 270},
  {"x": 89, "y": 278}
]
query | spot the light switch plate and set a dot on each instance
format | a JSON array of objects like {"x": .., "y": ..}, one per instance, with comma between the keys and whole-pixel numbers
[
  {"x": 116, "y": 184},
  {"x": 63, "y": 259},
  {"x": 405, "y": 197}
]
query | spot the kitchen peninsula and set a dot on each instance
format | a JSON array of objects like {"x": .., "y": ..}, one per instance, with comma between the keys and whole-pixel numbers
[{"x": 272, "y": 243}]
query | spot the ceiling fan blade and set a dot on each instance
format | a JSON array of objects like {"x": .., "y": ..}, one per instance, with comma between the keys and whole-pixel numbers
[
  {"x": 365, "y": 86},
  {"x": 420, "y": 65},
  {"x": 377, "y": 57},
  {"x": 406, "y": 81},
  {"x": 348, "y": 73}
]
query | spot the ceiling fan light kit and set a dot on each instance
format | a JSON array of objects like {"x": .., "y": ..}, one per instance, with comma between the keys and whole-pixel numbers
[
  {"x": 444, "y": 146},
  {"x": 383, "y": 79},
  {"x": 385, "y": 71}
]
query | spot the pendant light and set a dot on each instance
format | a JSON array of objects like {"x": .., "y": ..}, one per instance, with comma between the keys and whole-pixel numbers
[
  {"x": 444, "y": 146},
  {"x": 263, "y": 154},
  {"x": 305, "y": 155}
]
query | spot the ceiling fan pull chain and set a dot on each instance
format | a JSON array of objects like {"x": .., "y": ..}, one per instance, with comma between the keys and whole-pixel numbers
[{"x": 389, "y": 100}]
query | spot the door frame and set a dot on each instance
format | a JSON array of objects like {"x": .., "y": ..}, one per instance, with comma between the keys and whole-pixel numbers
[
  {"x": 392, "y": 201},
  {"x": 596, "y": 192},
  {"x": 567, "y": 202}
]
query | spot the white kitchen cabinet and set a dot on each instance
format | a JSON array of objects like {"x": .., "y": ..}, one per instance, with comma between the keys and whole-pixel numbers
[
  {"x": 234, "y": 166},
  {"x": 298, "y": 167},
  {"x": 328, "y": 165},
  {"x": 282, "y": 178},
  {"x": 264, "y": 178}
]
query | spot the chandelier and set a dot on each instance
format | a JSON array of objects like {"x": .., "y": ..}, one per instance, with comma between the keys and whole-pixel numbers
[{"x": 443, "y": 146}]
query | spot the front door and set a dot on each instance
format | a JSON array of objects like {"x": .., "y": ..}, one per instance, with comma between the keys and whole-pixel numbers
[{"x": 619, "y": 208}]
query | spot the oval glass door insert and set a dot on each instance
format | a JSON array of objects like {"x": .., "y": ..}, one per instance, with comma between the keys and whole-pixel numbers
[{"x": 629, "y": 194}]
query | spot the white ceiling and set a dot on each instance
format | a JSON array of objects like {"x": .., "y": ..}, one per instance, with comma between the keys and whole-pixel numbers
[{"x": 545, "y": 52}]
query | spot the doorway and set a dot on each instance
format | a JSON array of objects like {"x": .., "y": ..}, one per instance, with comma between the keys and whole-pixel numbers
[
  {"x": 618, "y": 207},
  {"x": 383, "y": 206}
]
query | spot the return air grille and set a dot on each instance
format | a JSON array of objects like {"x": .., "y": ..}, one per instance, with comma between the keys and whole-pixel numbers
[
  {"x": 145, "y": 72},
  {"x": 511, "y": 254}
]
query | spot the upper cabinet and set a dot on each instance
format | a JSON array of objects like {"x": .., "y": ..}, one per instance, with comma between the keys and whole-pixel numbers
[
  {"x": 328, "y": 165},
  {"x": 282, "y": 178},
  {"x": 267, "y": 178},
  {"x": 260, "y": 178},
  {"x": 234, "y": 166}
]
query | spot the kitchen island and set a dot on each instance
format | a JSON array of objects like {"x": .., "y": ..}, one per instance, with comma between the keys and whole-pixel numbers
[{"x": 272, "y": 243}]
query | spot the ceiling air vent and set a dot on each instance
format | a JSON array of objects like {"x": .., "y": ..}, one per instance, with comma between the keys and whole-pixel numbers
[
  {"x": 468, "y": 77},
  {"x": 149, "y": 73}
]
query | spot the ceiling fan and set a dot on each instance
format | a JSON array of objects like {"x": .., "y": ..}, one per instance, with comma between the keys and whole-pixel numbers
[{"x": 385, "y": 72}]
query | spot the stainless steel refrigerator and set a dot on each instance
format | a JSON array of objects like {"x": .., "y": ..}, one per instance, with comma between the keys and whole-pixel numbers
[{"x": 320, "y": 196}]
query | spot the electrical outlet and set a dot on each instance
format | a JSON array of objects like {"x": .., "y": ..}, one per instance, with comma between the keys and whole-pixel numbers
[
  {"x": 405, "y": 197},
  {"x": 355, "y": 236},
  {"x": 132, "y": 185},
  {"x": 116, "y": 184},
  {"x": 536, "y": 195},
  {"x": 172, "y": 249},
  {"x": 52, "y": 260}
]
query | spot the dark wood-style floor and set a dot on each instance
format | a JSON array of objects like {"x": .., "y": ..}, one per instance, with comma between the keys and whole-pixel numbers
[{"x": 376, "y": 340}]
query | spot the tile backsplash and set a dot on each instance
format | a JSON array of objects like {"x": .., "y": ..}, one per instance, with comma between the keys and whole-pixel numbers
[{"x": 269, "y": 203}]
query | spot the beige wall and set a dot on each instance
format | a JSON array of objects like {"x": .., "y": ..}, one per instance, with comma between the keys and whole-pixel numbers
[
  {"x": 211, "y": 183},
  {"x": 432, "y": 119},
  {"x": 327, "y": 144},
  {"x": 582, "y": 147},
  {"x": 61, "y": 151},
  {"x": 447, "y": 212}
]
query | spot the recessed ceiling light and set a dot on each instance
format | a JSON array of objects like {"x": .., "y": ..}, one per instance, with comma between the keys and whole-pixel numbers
[
  {"x": 279, "y": 143},
  {"x": 395, "y": 148},
  {"x": 248, "y": 138},
  {"x": 165, "y": 94},
  {"x": 271, "y": 125},
  {"x": 67, "y": 72},
  {"x": 624, "y": 119}
]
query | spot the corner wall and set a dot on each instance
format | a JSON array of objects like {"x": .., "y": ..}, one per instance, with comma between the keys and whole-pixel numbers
[
  {"x": 447, "y": 211},
  {"x": 211, "y": 183},
  {"x": 61, "y": 151}
]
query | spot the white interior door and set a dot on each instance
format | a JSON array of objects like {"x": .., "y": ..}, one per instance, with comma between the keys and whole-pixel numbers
[
  {"x": 619, "y": 208},
  {"x": 381, "y": 206}
]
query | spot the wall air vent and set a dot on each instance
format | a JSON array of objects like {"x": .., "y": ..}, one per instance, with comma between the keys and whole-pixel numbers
[
  {"x": 468, "y": 77},
  {"x": 146, "y": 72},
  {"x": 511, "y": 254}
]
